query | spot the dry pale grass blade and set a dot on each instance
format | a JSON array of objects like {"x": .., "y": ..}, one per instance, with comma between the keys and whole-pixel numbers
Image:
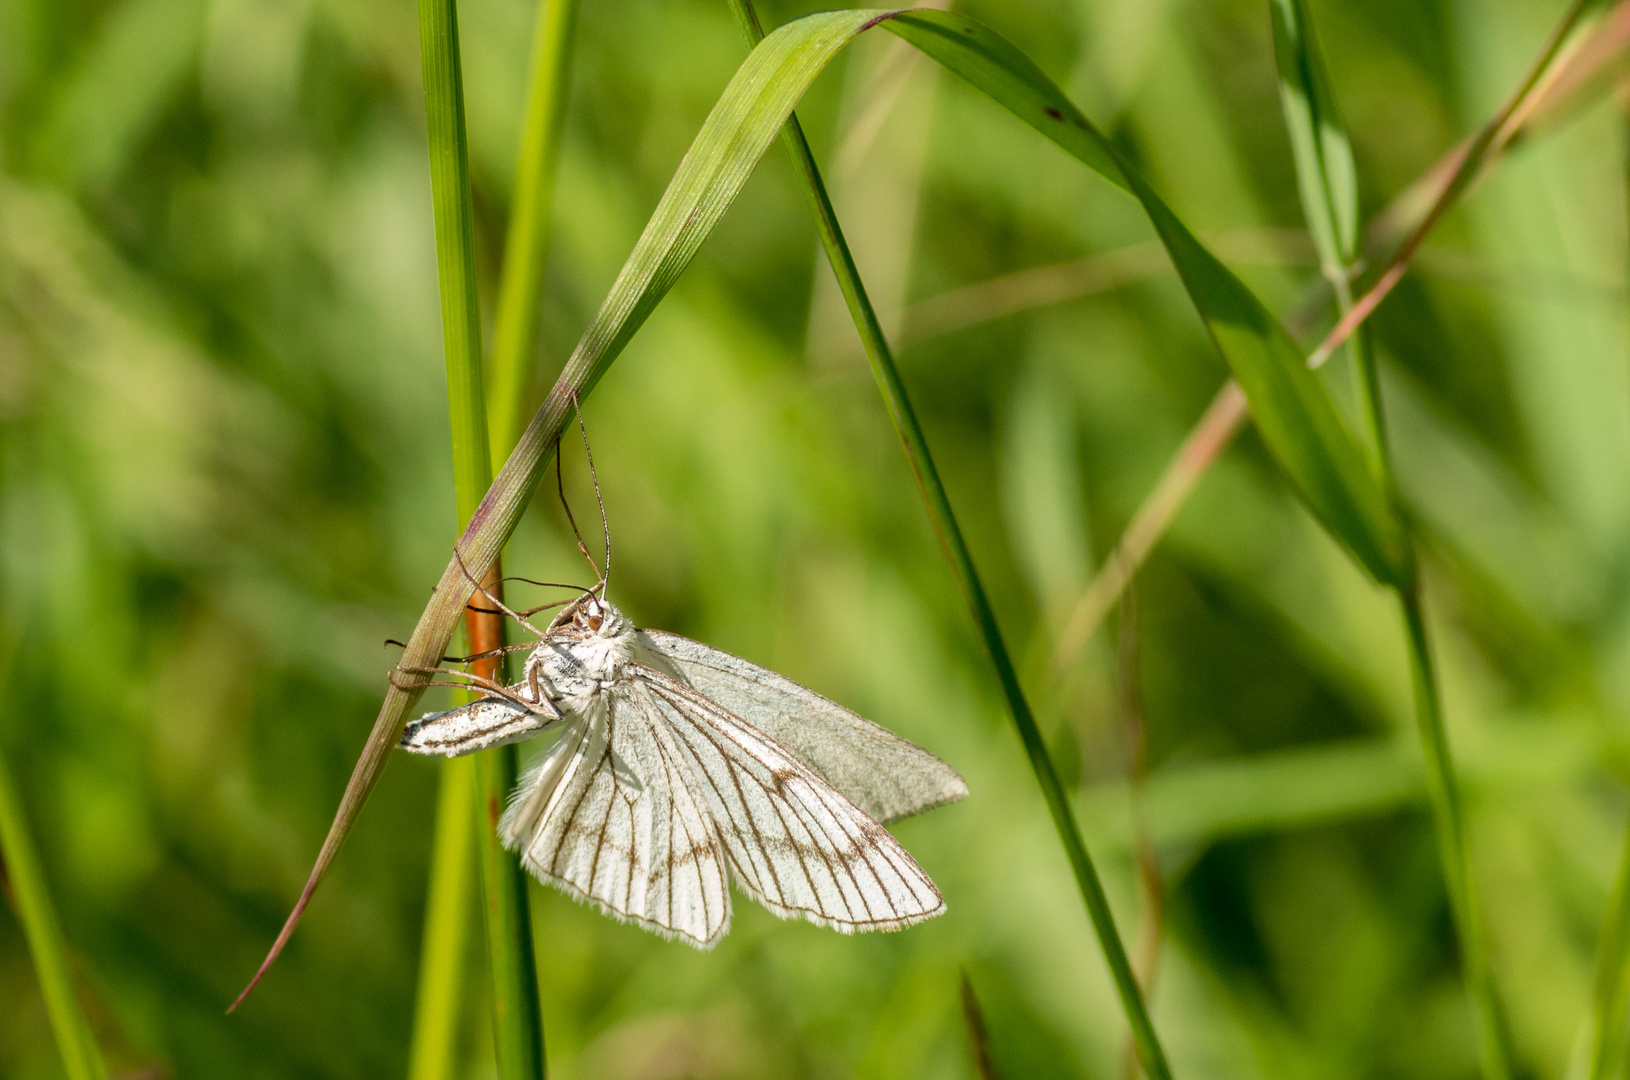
[{"x": 1551, "y": 88}]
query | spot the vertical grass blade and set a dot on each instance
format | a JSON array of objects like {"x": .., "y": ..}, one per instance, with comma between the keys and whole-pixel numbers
[
  {"x": 80, "y": 1058},
  {"x": 1608, "y": 998},
  {"x": 1329, "y": 190},
  {"x": 1325, "y": 174},
  {"x": 440, "y": 1005},
  {"x": 1448, "y": 814},
  {"x": 1327, "y": 181},
  {"x": 526, "y": 246},
  {"x": 518, "y": 1023},
  {"x": 943, "y": 518}
]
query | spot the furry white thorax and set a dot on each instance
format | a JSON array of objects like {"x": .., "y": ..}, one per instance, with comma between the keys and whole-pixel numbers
[{"x": 584, "y": 653}]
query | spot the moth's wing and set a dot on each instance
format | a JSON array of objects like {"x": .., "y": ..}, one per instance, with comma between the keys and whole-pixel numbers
[
  {"x": 481, "y": 724},
  {"x": 609, "y": 814},
  {"x": 796, "y": 844},
  {"x": 883, "y": 774}
]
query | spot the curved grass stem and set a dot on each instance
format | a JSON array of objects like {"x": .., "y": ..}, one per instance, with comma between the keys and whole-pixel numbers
[{"x": 955, "y": 547}]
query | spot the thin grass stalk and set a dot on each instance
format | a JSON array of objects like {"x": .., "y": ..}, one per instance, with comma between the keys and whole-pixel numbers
[
  {"x": 1227, "y": 413},
  {"x": 973, "y": 1019},
  {"x": 1608, "y": 999},
  {"x": 1328, "y": 182},
  {"x": 956, "y": 551},
  {"x": 439, "y": 1007},
  {"x": 526, "y": 245},
  {"x": 1145, "y": 858},
  {"x": 1609, "y": 992},
  {"x": 518, "y": 1023},
  {"x": 80, "y": 1058},
  {"x": 1450, "y": 820}
]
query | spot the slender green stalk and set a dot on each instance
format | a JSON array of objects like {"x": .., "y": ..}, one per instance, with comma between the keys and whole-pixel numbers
[
  {"x": 517, "y": 1019},
  {"x": 1613, "y": 946},
  {"x": 518, "y": 1024},
  {"x": 455, "y": 250},
  {"x": 80, "y": 1059},
  {"x": 967, "y": 575},
  {"x": 440, "y": 1004},
  {"x": 1612, "y": 965},
  {"x": 1328, "y": 182},
  {"x": 1449, "y": 816},
  {"x": 526, "y": 248}
]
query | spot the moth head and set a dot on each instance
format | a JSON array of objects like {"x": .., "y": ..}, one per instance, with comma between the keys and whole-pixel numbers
[{"x": 589, "y": 616}]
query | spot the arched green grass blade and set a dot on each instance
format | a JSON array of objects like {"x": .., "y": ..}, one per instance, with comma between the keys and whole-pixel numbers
[{"x": 1297, "y": 419}]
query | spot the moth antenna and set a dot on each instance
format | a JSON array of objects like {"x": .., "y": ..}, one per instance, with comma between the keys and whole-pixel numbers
[
  {"x": 546, "y": 584},
  {"x": 551, "y": 604},
  {"x": 560, "y": 489},
  {"x": 605, "y": 527},
  {"x": 482, "y": 589}
]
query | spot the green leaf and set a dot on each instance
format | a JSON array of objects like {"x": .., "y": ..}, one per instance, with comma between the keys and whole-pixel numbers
[
  {"x": 1296, "y": 417},
  {"x": 1326, "y": 177}
]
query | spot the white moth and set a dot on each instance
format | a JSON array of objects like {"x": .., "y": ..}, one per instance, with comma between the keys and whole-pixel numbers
[{"x": 678, "y": 767}]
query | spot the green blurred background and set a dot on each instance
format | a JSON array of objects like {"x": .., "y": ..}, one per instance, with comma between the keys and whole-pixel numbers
[{"x": 225, "y": 479}]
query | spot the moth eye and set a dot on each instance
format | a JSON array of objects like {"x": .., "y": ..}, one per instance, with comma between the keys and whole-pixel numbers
[{"x": 594, "y": 622}]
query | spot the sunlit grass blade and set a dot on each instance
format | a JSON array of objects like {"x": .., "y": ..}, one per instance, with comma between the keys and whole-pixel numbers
[
  {"x": 1449, "y": 817},
  {"x": 80, "y": 1058},
  {"x": 517, "y": 1021},
  {"x": 1611, "y": 992},
  {"x": 1325, "y": 175},
  {"x": 1298, "y": 421},
  {"x": 526, "y": 246},
  {"x": 1546, "y": 94},
  {"x": 438, "y": 1012},
  {"x": 1328, "y": 183}
]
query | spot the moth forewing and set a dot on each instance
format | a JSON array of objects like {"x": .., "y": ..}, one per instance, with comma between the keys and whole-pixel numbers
[
  {"x": 888, "y": 777},
  {"x": 610, "y": 815},
  {"x": 797, "y": 844}
]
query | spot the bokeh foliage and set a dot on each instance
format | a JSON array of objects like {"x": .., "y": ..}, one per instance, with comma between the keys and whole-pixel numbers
[{"x": 225, "y": 479}]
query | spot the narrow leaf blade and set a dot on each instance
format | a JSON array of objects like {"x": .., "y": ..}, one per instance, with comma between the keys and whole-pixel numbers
[
  {"x": 1326, "y": 176},
  {"x": 1299, "y": 422}
]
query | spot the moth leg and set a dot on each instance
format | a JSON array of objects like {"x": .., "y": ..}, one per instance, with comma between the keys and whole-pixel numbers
[
  {"x": 542, "y": 706},
  {"x": 500, "y": 651},
  {"x": 499, "y": 604}
]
